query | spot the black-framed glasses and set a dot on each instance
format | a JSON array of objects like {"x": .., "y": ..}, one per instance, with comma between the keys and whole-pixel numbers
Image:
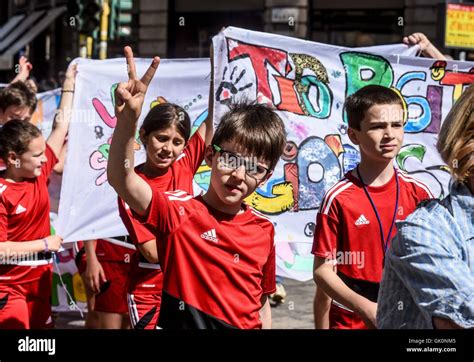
[{"x": 232, "y": 161}]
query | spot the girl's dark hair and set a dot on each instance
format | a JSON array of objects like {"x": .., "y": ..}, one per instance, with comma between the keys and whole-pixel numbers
[
  {"x": 165, "y": 115},
  {"x": 15, "y": 136}
]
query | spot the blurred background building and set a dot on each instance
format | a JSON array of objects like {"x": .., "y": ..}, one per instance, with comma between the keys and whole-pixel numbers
[{"x": 52, "y": 32}]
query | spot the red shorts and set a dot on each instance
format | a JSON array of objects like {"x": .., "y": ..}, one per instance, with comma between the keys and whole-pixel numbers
[
  {"x": 340, "y": 318},
  {"x": 144, "y": 297},
  {"x": 114, "y": 299},
  {"x": 27, "y": 305},
  {"x": 144, "y": 309}
]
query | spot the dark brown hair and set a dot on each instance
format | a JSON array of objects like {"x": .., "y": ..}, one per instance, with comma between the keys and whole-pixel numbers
[
  {"x": 17, "y": 94},
  {"x": 359, "y": 103},
  {"x": 256, "y": 128},
  {"x": 15, "y": 136},
  {"x": 164, "y": 115}
]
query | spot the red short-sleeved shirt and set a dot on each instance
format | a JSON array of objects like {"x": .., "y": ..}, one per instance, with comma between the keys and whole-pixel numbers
[
  {"x": 24, "y": 216},
  {"x": 179, "y": 177},
  {"x": 347, "y": 229},
  {"x": 216, "y": 266}
]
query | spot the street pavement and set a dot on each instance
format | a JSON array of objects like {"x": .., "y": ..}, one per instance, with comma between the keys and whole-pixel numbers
[{"x": 296, "y": 312}]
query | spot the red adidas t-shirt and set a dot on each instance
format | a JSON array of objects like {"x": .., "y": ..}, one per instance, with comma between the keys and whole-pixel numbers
[
  {"x": 216, "y": 266},
  {"x": 179, "y": 177},
  {"x": 347, "y": 229},
  {"x": 24, "y": 216}
]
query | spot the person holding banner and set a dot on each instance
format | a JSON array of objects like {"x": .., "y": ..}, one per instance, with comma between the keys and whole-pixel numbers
[
  {"x": 26, "y": 245},
  {"x": 355, "y": 222},
  {"x": 218, "y": 254},
  {"x": 428, "y": 280}
]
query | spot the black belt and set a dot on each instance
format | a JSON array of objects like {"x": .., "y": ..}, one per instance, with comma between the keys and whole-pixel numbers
[{"x": 365, "y": 288}]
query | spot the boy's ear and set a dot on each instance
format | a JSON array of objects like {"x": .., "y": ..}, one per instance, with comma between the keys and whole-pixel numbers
[
  {"x": 352, "y": 136},
  {"x": 208, "y": 153}
]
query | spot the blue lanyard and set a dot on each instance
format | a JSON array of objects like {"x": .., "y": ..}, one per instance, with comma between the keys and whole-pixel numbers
[{"x": 384, "y": 242}]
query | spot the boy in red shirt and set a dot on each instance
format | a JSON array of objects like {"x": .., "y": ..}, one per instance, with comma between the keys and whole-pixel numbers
[
  {"x": 355, "y": 222},
  {"x": 217, "y": 254}
]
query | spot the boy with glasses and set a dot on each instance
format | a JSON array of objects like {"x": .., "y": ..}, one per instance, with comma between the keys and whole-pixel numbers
[{"x": 216, "y": 252}]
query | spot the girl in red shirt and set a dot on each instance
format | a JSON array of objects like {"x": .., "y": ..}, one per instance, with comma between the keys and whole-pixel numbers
[
  {"x": 172, "y": 159},
  {"x": 26, "y": 242}
]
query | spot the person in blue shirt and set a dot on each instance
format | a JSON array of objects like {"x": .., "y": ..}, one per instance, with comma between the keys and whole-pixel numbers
[{"x": 428, "y": 280}]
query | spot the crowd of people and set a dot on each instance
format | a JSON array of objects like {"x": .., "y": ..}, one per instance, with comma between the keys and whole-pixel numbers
[{"x": 209, "y": 261}]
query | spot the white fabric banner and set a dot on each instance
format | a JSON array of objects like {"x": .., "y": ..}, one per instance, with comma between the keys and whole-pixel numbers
[
  {"x": 392, "y": 49},
  {"x": 319, "y": 151},
  {"x": 88, "y": 206},
  {"x": 68, "y": 293},
  {"x": 307, "y": 83}
]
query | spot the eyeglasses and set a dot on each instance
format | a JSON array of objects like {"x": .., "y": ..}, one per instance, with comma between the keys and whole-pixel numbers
[{"x": 233, "y": 161}]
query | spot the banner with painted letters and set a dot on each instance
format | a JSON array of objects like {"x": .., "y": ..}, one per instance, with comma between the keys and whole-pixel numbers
[
  {"x": 307, "y": 83},
  {"x": 88, "y": 207}
]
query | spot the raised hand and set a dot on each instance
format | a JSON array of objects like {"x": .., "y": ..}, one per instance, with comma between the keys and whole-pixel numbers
[
  {"x": 25, "y": 67},
  {"x": 70, "y": 78},
  {"x": 24, "y": 72},
  {"x": 129, "y": 96},
  {"x": 417, "y": 38},
  {"x": 426, "y": 47}
]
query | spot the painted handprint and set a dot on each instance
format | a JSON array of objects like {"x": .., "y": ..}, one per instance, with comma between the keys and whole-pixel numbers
[{"x": 228, "y": 89}]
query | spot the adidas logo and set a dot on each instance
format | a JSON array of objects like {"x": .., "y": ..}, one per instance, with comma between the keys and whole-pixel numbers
[
  {"x": 362, "y": 220},
  {"x": 210, "y": 235},
  {"x": 20, "y": 209}
]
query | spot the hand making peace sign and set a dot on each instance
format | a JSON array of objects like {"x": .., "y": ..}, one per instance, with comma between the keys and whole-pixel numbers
[{"x": 129, "y": 96}]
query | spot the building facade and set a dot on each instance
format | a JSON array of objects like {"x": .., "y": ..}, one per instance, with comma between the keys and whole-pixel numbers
[{"x": 184, "y": 28}]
